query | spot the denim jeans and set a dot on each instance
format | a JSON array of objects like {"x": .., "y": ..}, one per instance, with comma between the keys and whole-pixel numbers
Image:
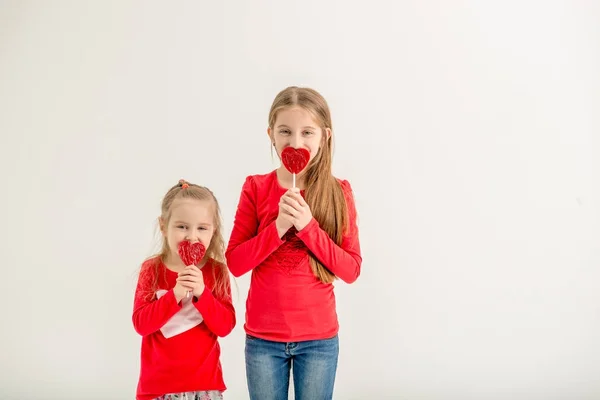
[{"x": 313, "y": 364}]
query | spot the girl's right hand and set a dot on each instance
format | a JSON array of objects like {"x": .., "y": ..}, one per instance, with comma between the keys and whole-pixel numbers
[
  {"x": 180, "y": 291},
  {"x": 284, "y": 220}
]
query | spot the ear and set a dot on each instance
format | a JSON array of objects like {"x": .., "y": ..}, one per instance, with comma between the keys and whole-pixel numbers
[
  {"x": 163, "y": 228},
  {"x": 327, "y": 133},
  {"x": 270, "y": 134}
]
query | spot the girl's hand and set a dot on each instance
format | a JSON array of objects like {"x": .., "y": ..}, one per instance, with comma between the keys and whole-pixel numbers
[
  {"x": 296, "y": 207},
  {"x": 192, "y": 278},
  {"x": 284, "y": 220},
  {"x": 180, "y": 290}
]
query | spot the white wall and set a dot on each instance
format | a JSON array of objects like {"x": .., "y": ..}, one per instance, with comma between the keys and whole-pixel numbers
[{"x": 468, "y": 130}]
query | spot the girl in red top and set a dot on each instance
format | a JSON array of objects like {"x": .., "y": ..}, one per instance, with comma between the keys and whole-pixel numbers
[
  {"x": 296, "y": 241},
  {"x": 180, "y": 310}
]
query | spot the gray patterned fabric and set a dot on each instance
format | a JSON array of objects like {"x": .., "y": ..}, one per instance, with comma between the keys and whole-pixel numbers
[{"x": 204, "y": 395}]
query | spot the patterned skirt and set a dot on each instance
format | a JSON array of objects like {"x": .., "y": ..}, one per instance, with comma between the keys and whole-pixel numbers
[{"x": 203, "y": 395}]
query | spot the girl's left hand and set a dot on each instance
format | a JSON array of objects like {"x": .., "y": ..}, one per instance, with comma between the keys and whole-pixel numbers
[
  {"x": 192, "y": 277},
  {"x": 295, "y": 205}
]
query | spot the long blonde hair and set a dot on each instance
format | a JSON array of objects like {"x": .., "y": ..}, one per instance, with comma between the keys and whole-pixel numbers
[
  {"x": 324, "y": 193},
  {"x": 216, "y": 249}
]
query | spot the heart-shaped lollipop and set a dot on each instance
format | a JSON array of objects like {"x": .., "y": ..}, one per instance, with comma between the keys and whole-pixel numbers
[
  {"x": 294, "y": 160},
  {"x": 191, "y": 253}
]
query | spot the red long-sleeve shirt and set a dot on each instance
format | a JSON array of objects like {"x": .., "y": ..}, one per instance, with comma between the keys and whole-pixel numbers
[
  {"x": 286, "y": 302},
  {"x": 189, "y": 361}
]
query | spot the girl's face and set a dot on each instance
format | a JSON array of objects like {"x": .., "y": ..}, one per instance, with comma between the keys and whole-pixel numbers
[
  {"x": 296, "y": 127},
  {"x": 191, "y": 220}
]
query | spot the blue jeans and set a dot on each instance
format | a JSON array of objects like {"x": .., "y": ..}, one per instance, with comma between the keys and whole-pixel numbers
[{"x": 313, "y": 364}]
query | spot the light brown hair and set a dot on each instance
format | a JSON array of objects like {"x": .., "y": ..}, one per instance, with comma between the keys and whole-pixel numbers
[{"x": 323, "y": 192}]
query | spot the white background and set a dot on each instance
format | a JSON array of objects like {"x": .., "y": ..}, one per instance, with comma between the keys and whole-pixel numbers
[{"x": 468, "y": 130}]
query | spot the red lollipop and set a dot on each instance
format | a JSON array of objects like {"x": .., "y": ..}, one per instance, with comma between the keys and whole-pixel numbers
[
  {"x": 294, "y": 160},
  {"x": 191, "y": 253}
]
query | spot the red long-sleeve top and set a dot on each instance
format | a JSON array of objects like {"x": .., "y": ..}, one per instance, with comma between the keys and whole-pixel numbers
[
  {"x": 189, "y": 361},
  {"x": 286, "y": 302}
]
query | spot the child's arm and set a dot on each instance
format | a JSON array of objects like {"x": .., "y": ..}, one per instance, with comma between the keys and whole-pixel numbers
[
  {"x": 218, "y": 314},
  {"x": 246, "y": 250},
  {"x": 149, "y": 316},
  {"x": 345, "y": 260}
]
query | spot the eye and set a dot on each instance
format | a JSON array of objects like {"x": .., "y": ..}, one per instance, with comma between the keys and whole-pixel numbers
[
  {"x": 180, "y": 226},
  {"x": 308, "y": 133},
  {"x": 284, "y": 132},
  {"x": 201, "y": 228}
]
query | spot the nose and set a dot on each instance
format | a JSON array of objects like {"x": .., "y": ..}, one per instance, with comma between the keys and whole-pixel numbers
[{"x": 296, "y": 141}]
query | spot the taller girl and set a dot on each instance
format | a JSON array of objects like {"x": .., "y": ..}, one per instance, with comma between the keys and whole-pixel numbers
[{"x": 296, "y": 241}]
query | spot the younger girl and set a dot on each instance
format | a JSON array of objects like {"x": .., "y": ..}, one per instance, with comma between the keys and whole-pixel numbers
[
  {"x": 295, "y": 241},
  {"x": 180, "y": 310}
]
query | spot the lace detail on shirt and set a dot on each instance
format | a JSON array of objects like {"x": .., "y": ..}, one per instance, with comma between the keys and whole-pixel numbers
[{"x": 291, "y": 253}]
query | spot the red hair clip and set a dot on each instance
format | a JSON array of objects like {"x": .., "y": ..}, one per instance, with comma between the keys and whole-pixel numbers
[{"x": 185, "y": 185}]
